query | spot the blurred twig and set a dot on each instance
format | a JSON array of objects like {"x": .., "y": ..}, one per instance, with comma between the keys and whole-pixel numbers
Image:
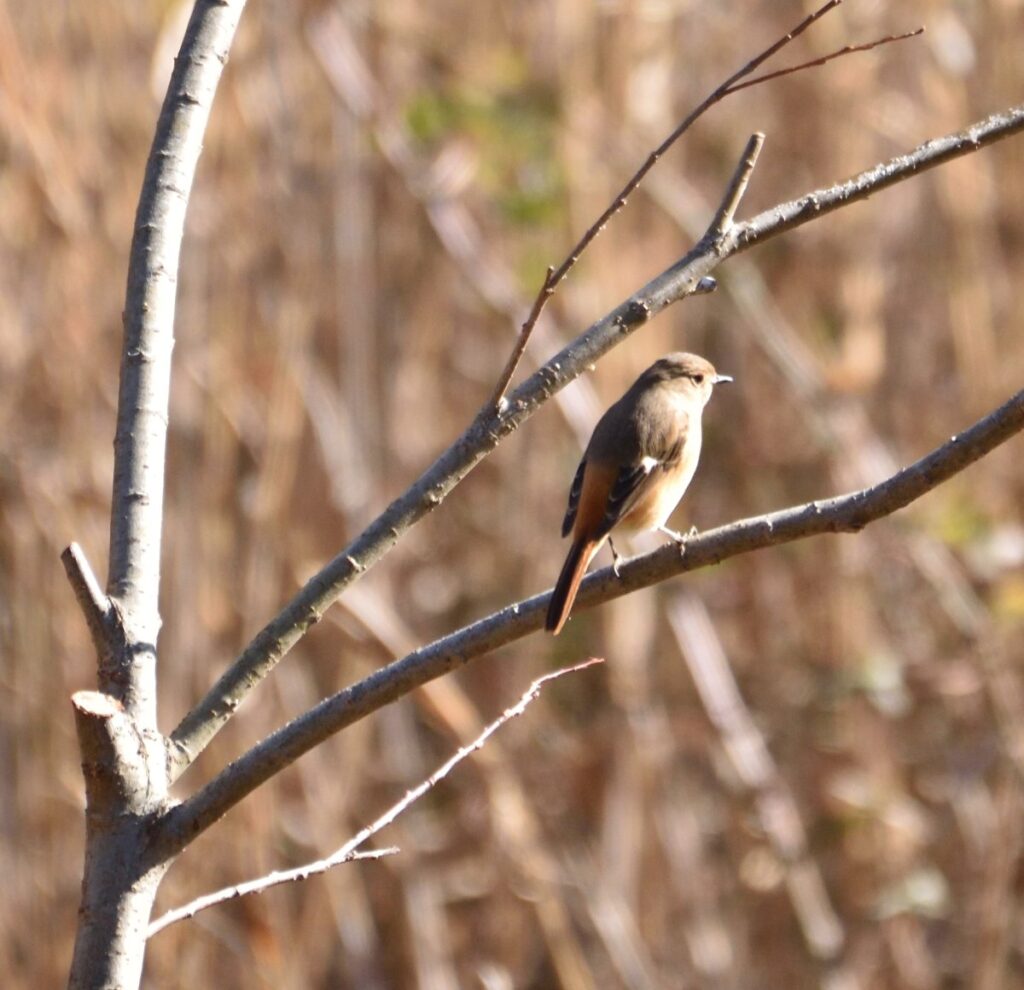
[
  {"x": 348, "y": 852},
  {"x": 458, "y": 231},
  {"x": 842, "y": 514},
  {"x": 490, "y": 427},
  {"x": 748, "y": 751}
]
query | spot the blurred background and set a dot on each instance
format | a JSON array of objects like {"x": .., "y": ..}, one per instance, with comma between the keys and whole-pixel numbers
[{"x": 800, "y": 768}]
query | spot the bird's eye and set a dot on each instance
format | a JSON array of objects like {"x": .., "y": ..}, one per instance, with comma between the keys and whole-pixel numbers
[{"x": 699, "y": 379}]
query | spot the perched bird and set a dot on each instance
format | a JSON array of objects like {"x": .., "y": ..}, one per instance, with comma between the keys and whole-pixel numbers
[{"x": 639, "y": 462}]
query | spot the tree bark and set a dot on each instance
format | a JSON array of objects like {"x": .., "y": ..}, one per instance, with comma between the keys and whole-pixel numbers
[
  {"x": 124, "y": 758},
  {"x": 123, "y": 768}
]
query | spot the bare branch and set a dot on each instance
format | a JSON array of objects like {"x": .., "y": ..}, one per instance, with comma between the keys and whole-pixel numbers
[
  {"x": 931, "y": 154},
  {"x": 842, "y": 514},
  {"x": 347, "y": 853},
  {"x": 491, "y": 426},
  {"x": 136, "y": 517},
  {"x": 122, "y": 768},
  {"x": 755, "y": 766}
]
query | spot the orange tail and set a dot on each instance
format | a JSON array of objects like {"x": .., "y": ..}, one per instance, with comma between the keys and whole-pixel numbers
[{"x": 580, "y": 555}]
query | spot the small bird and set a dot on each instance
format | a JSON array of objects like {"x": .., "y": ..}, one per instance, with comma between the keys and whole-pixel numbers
[{"x": 639, "y": 462}]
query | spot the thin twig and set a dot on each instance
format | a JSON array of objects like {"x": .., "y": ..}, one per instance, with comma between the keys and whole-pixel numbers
[
  {"x": 814, "y": 63},
  {"x": 259, "y": 885},
  {"x": 555, "y": 275},
  {"x": 348, "y": 852},
  {"x": 482, "y": 436},
  {"x": 842, "y": 514}
]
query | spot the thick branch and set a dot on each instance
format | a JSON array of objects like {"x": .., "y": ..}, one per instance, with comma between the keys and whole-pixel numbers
[
  {"x": 491, "y": 426},
  {"x": 137, "y": 511},
  {"x": 842, "y": 514},
  {"x": 123, "y": 769}
]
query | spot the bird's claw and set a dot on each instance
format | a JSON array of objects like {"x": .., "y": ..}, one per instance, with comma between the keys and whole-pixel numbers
[
  {"x": 678, "y": 538},
  {"x": 616, "y": 558}
]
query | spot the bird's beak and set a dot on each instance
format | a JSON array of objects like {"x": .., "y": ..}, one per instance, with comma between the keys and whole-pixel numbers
[{"x": 719, "y": 379}]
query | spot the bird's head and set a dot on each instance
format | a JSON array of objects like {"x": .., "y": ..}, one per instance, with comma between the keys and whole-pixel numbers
[{"x": 687, "y": 373}]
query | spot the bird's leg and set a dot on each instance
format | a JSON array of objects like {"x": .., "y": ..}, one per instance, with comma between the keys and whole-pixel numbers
[{"x": 616, "y": 557}]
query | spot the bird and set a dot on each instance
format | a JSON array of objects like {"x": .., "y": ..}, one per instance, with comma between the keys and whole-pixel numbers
[{"x": 638, "y": 464}]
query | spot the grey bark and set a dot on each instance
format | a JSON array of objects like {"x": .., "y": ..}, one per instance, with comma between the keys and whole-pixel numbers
[{"x": 123, "y": 754}]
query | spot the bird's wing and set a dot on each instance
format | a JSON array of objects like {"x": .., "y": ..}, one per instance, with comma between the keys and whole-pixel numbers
[
  {"x": 633, "y": 481},
  {"x": 574, "y": 499}
]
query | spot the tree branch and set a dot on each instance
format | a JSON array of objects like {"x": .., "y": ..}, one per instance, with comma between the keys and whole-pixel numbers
[
  {"x": 482, "y": 436},
  {"x": 842, "y": 514},
  {"x": 261, "y": 884},
  {"x": 348, "y": 852},
  {"x": 491, "y": 426},
  {"x": 124, "y": 758},
  {"x": 136, "y": 517},
  {"x": 931, "y": 154}
]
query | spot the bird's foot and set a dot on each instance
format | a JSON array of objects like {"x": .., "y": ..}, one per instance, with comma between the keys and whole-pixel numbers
[{"x": 616, "y": 558}]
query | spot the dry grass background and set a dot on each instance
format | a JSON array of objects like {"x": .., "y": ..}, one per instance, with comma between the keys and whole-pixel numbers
[{"x": 798, "y": 769}]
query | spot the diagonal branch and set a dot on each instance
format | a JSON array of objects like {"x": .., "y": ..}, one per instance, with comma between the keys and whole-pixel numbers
[
  {"x": 491, "y": 426},
  {"x": 842, "y": 514},
  {"x": 349, "y": 851}
]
